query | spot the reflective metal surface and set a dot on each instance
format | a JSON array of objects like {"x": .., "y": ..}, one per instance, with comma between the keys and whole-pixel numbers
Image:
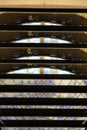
[{"x": 42, "y": 60}]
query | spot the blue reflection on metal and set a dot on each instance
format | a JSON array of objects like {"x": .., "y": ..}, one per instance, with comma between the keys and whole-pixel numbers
[
  {"x": 28, "y": 82},
  {"x": 35, "y": 95},
  {"x": 20, "y": 118},
  {"x": 65, "y": 107},
  {"x": 85, "y": 82},
  {"x": 31, "y": 118},
  {"x": 0, "y": 81},
  {"x": 17, "y": 37},
  {"x": 16, "y": 55},
  {"x": 37, "y": 128},
  {"x": 9, "y": 129},
  {"x": 11, "y": 118},
  {"x": 21, "y": 82},
  {"x": 3, "y": 106},
  {"x": 85, "y": 107},
  {"x": 28, "y": 128},
  {"x": 71, "y": 118},
  {"x": 49, "y": 81},
  {"x": 17, "y": 106},
  {"x": 44, "y": 95},
  {"x": 18, "y": 128},
  {"x": 41, "y": 82},
  {"x": 15, "y": 67},
  {"x": 35, "y": 82},
  {"x": 20, "y": 95},
  {"x": 17, "y": 21},
  {"x": 50, "y": 128},
  {"x": 3, "y": 118},
  {"x": 10, "y": 106},
  {"x": 62, "y": 118},
  {"x": 58, "y": 107},
  {"x": 27, "y": 95}
]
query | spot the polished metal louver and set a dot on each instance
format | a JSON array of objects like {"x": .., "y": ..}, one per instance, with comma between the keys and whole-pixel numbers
[{"x": 43, "y": 69}]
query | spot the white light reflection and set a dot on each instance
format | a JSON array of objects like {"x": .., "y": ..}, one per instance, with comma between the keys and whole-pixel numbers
[{"x": 37, "y": 40}]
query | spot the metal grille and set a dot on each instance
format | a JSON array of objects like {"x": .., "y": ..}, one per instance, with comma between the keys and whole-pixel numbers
[{"x": 43, "y": 69}]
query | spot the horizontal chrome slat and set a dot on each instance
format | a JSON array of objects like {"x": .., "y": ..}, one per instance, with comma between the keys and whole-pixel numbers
[
  {"x": 42, "y": 76},
  {"x": 57, "y": 18},
  {"x": 45, "y": 88},
  {"x": 72, "y": 37},
  {"x": 42, "y": 123},
  {"x": 75, "y": 67},
  {"x": 44, "y": 101},
  {"x": 75, "y": 10},
  {"x": 78, "y": 44},
  {"x": 45, "y": 45},
  {"x": 44, "y": 112},
  {"x": 57, "y": 62},
  {"x": 53, "y": 52},
  {"x": 43, "y": 28}
]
